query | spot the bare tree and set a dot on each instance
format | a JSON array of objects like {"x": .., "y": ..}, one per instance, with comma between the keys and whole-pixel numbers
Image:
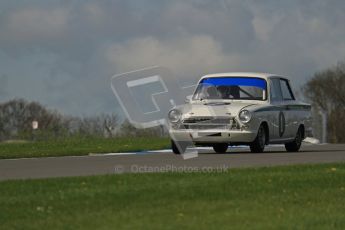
[
  {"x": 16, "y": 117},
  {"x": 103, "y": 125},
  {"x": 110, "y": 121},
  {"x": 326, "y": 90}
]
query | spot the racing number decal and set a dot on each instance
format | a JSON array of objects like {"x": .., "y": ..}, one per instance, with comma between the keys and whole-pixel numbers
[{"x": 281, "y": 124}]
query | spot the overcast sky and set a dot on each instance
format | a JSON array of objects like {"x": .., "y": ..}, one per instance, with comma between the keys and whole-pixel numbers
[{"x": 63, "y": 53}]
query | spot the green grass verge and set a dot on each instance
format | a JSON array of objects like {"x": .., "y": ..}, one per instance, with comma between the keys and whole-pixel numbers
[
  {"x": 289, "y": 197},
  {"x": 79, "y": 146}
]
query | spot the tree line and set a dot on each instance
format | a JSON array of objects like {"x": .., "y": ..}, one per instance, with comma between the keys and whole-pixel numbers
[
  {"x": 326, "y": 91},
  {"x": 17, "y": 117}
]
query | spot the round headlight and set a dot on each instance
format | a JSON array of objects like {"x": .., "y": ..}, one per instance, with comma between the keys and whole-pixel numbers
[
  {"x": 245, "y": 116},
  {"x": 174, "y": 115}
]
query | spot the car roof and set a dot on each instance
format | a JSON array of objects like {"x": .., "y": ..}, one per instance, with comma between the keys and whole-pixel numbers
[{"x": 244, "y": 74}]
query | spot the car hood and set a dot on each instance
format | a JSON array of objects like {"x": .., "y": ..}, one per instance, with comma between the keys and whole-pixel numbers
[{"x": 214, "y": 109}]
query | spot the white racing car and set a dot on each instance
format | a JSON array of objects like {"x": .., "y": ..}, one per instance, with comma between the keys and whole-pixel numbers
[{"x": 254, "y": 109}]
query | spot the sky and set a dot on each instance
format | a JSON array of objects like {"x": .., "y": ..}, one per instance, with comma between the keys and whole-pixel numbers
[{"x": 63, "y": 53}]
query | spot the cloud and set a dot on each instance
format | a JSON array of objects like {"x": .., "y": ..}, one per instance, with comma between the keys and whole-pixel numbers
[
  {"x": 35, "y": 24},
  {"x": 264, "y": 26},
  {"x": 188, "y": 56},
  {"x": 95, "y": 13},
  {"x": 298, "y": 40}
]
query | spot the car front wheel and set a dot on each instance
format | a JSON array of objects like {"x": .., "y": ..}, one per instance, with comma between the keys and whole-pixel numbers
[
  {"x": 178, "y": 147},
  {"x": 258, "y": 145}
]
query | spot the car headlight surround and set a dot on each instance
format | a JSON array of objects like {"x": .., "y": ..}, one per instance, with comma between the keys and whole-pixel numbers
[
  {"x": 174, "y": 115},
  {"x": 245, "y": 116}
]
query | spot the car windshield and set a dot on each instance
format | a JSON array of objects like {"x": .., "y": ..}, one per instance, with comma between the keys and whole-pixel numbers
[{"x": 232, "y": 88}]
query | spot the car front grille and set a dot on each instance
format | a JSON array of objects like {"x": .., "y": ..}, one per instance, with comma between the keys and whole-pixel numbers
[{"x": 207, "y": 123}]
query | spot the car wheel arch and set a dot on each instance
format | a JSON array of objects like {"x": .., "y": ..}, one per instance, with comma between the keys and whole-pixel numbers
[
  {"x": 301, "y": 126},
  {"x": 267, "y": 131}
]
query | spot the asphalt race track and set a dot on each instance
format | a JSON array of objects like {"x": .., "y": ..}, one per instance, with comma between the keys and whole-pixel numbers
[{"x": 160, "y": 161}]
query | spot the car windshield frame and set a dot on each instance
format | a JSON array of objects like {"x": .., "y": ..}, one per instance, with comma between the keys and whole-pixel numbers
[{"x": 231, "y": 81}]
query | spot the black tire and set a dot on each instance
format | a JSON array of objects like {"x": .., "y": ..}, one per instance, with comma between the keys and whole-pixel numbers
[
  {"x": 296, "y": 144},
  {"x": 220, "y": 148},
  {"x": 178, "y": 147},
  {"x": 258, "y": 145}
]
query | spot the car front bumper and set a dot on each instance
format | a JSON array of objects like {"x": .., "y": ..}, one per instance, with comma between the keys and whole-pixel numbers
[{"x": 213, "y": 136}]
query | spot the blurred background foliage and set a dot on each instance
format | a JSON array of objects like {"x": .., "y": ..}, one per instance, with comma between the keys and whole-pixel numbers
[
  {"x": 16, "y": 117},
  {"x": 326, "y": 92}
]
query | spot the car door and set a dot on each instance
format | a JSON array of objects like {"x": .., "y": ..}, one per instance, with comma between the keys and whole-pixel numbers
[
  {"x": 291, "y": 124},
  {"x": 277, "y": 113}
]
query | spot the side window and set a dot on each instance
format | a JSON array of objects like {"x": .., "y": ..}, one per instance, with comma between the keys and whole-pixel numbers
[
  {"x": 286, "y": 90},
  {"x": 276, "y": 94}
]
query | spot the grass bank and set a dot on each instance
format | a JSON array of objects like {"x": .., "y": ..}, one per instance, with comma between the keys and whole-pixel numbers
[
  {"x": 289, "y": 197},
  {"x": 79, "y": 146}
]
